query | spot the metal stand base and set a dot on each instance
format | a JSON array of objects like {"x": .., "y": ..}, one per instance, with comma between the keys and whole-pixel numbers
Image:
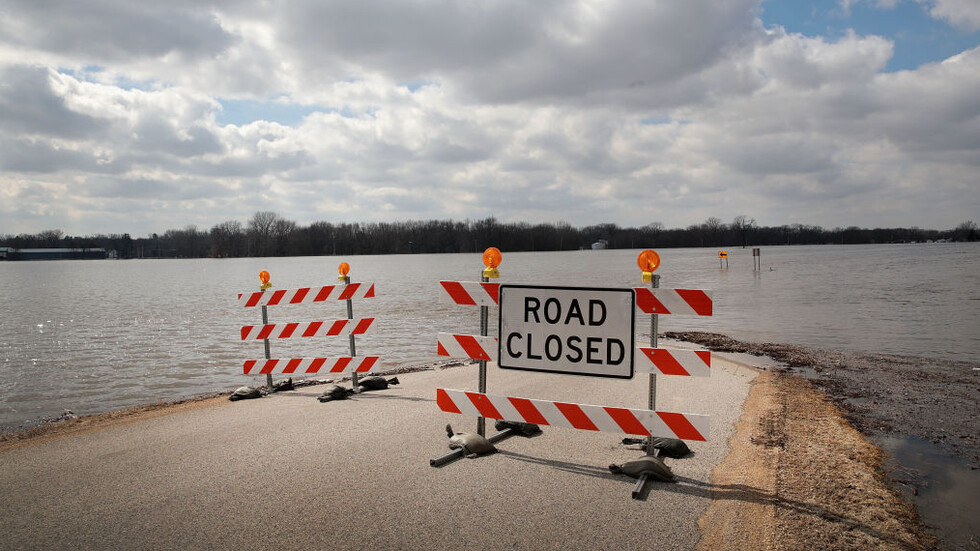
[
  {"x": 638, "y": 489},
  {"x": 637, "y": 492},
  {"x": 443, "y": 459}
]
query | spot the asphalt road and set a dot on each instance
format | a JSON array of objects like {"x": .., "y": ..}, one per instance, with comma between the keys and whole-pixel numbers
[{"x": 289, "y": 472}]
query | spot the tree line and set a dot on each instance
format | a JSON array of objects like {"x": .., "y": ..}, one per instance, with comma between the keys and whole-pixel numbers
[{"x": 267, "y": 233}]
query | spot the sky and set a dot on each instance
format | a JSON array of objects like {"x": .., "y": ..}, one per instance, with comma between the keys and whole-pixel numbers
[{"x": 126, "y": 116}]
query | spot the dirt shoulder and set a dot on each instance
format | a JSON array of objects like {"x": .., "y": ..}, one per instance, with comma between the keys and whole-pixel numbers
[{"x": 799, "y": 476}]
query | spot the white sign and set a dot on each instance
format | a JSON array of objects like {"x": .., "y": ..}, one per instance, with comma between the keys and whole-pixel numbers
[{"x": 574, "y": 330}]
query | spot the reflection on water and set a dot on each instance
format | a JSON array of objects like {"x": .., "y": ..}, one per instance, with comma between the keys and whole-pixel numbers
[
  {"x": 948, "y": 493},
  {"x": 100, "y": 335}
]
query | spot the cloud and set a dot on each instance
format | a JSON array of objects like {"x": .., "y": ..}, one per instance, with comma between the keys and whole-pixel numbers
[
  {"x": 106, "y": 31},
  {"x": 31, "y": 105},
  {"x": 964, "y": 14},
  {"x": 506, "y": 52},
  {"x": 587, "y": 111}
]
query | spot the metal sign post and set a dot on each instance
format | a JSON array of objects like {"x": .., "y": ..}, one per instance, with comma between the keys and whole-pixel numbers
[
  {"x": 652, "y": 394},
  {"x": 481, "y": 422},
  {"x": 652, "y": 401},
  {"x": 649, "y": 261},
  {"x": 344, "y": 270},
  {"x": 268, "y": 355},
  {"x": 491, "y": 260},
  {"x": 264, "y": 278}
]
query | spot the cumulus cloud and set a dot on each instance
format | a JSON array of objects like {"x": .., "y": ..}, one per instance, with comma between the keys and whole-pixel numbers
[
  {"x": 964, "y": 14},
  {"x": 587, "y": 111},
  {"x": 105, "y": 31}
]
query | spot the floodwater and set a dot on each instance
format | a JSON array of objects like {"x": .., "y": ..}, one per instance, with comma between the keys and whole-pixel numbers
[
  {"x": 93, "y": 336},
  {"x": 946, "y": 492}
]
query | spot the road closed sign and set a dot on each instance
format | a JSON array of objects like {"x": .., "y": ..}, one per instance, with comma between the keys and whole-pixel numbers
[{"x": 573, "y": 330}]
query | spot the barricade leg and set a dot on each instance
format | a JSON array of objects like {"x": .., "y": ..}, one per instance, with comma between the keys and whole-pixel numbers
[
  {"x": 638, "y": 489},
  {"x": 446, "y": 458}
]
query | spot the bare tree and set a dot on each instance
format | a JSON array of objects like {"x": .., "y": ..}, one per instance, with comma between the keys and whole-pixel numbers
[
  {"x": 282, "y": 231},
  {"x": 51, "y": 238},
  {"x": 967, "y": 231},
  {"x": 228, "y": 239},
  {"x": 653, "y": 230},
  {"x": 742, "y": 225},
  {"x": 713, "y": 227},
  {"x": 261, "y": 233}
]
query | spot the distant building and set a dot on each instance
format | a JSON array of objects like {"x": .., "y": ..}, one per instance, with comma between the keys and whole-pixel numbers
[{"x": 94, "y": 253}]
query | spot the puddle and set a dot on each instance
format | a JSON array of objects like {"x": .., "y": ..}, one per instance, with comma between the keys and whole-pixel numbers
[{"x": 944, "y": 490}]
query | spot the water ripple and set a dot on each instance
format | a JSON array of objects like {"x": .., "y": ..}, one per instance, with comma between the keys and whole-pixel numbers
[{"x": 99, "y": 335}]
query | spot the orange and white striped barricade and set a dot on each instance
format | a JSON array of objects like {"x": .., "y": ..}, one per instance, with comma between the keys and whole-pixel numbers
[
  {"x": 685, "y": 426},
  {"x": 663, "y": 361},
  {"x": 334, "y": 328},
  {"x": 474, "y": 347},
  {"x": 470, "y": 293},
  {"x": 311, "y": 366},
  {"x": 305, "y": 295},
  {"x": 682, "y": 302},
  {"x": 349, "y": 327}
]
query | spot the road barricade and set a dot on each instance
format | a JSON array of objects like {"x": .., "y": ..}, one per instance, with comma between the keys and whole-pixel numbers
[
  {"x": 349, "y": 327},
  {"x": 579, "y": 331}
]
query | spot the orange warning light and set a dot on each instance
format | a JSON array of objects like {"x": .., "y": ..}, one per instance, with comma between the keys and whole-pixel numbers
[
  {"x": 344, "y": 270},
  {"x": 648, "y": 260},
  {"x": 491, "y": 259},
  {"x": 264, "y": 278}
]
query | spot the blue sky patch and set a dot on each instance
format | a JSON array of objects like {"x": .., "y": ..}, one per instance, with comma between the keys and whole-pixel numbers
[
  {"x": 918, "y": 38},
  {"x": 241, "y": 112}
]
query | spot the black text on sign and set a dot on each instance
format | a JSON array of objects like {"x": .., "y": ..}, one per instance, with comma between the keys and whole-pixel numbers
[{"x": 575, "y": 330}]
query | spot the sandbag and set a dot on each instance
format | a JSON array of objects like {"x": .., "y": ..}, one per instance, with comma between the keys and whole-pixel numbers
[
  {"x": 524, "y": 429},
  {"x": 245, "y": 393},
  {"x": 334, "y": 392},
  {"x": 650, "y": 465},
  {"x": 471, "y": 443},
  {"x": 671, "y": 447},
  {"x": 376, "y": 383}
]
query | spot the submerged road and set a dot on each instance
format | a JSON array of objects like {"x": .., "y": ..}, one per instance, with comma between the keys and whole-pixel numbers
[{"x": 289, "y": 472}]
